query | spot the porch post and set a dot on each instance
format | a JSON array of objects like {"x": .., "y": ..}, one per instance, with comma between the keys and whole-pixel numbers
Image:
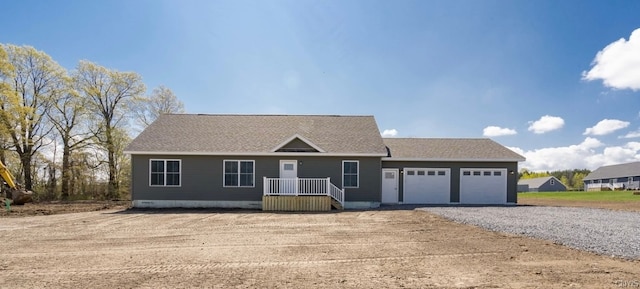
[
  {"x": 264, "y": 186},
  {"x": 296, "y": 186},
  {"x": 328, "y": 186}
]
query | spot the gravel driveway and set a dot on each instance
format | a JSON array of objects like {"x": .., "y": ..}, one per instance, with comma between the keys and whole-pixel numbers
[{"x": 606, "y": 232}]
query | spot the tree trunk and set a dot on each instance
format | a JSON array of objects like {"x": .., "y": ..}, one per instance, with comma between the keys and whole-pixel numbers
[
  {"x": 25, "y": 159},
  {"x": 112, "y": 190},
  {"x": 66, "y": 172}
]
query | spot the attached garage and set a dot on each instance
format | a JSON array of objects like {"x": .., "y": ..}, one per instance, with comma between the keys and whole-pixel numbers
[
  {"x": 450, "y": 171},
  {"x": 483, "y": 186},
  {"x": 427, "y": 186}
]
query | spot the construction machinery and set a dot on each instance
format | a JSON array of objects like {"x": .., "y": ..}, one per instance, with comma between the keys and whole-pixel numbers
[{"x": 12, "y": 190}]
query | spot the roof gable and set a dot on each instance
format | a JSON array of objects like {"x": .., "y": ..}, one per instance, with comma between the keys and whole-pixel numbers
[
  {"x": 204, "y": 134},
  {"x": 449, "y": 149},
  {"x": 537, "y": 182},
  {"x": 297, "y": 143}
]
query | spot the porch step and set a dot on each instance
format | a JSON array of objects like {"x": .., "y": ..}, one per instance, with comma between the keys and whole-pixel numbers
[{"x": 336, "y": 205}]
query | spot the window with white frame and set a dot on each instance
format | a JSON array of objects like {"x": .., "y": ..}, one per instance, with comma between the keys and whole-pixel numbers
[
  {"x": 165, "y": 173},
  {"x": 350, "y": 174},
  {"x": 238, "y": 173}
]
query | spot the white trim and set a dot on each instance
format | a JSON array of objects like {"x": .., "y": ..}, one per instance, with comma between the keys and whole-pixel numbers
[
  {"x": 165, "y": 173},
  {"x": 238, "y": 161},
  {"x": 303, "y": 139},
  {"x": 156, "y": 204},
  {"x": 253, "y": 154},
  {"x": 392, "y": 159},
  {"x": 357, "y": 174}
]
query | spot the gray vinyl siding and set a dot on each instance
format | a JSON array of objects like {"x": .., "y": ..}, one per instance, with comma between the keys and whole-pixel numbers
[
  {"x": 202, "y": 177},
  {"x": 512, "y": 182},
  {"x": 548, "y": 187}
]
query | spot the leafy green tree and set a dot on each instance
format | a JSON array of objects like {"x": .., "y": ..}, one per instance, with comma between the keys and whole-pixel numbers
[
  {"x": 110, "y": 95},
  {"x": 36, "y": 81}
]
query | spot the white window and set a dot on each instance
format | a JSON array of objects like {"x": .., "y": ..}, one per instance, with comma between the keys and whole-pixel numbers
[
  {"x": 552, "y": 182},
  {"x": 350, "y": 174},
  {"x": 165, "y": 173},
  {"x": 239, "y": 173}
]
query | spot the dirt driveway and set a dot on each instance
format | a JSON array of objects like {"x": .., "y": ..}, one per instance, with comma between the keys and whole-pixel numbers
[{"x": 241, "y": 249}]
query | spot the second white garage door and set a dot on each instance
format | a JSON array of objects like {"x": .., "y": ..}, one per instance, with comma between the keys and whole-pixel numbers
[
  {"x": 426, "y": 186},
  {"x": 483, "y": 186}
]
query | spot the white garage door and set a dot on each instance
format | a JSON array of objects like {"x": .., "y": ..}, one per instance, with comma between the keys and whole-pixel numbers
[
  {"x": 483, "y": 186},
  {"x": 426, "y": 186}
]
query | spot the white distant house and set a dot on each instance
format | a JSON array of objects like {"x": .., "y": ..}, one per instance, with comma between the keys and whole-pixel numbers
[{"x": 622, "y": 176}]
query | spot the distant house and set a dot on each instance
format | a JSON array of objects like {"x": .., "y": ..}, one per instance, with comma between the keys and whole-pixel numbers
[
  {"x": 543, "y": 184},
  {"x": 622, "y": 176},
  {"x": 317, "y": 161}
]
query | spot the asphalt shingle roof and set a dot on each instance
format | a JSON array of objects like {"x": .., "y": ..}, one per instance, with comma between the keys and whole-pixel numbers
[
  {"x": 449, "y": 149},
  {"x": 259, "y": 134},
  {"x": 615, "y": 171}
]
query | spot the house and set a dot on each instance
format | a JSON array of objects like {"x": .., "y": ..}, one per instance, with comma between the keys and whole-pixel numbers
[
  {"x": 621, "y": 176},
  {"x": 543, "y": 184},
  {"x": 312, "y": 162}
]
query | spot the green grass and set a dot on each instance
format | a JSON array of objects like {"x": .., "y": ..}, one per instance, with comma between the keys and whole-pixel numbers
[{"x": 607, "y": 196}]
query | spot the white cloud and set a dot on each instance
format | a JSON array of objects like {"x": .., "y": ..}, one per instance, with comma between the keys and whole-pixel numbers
[
  {"x": 492, "y": 131},
  {"x": 618, "y": 64},
  {"x": 545, "y": 124},
  {"x": 606, "y": 126},
  {"x": 631, "y": 134},
  {"x": 583, "y": 155},
  {"x": 389, "y": 132}
]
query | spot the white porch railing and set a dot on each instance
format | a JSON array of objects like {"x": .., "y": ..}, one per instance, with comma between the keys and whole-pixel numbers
[
  {"x": 611, "y": 186},
  {"x": 302, "y": 187}
]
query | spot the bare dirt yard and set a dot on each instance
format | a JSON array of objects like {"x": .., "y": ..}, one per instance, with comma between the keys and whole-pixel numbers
[{"x": 252, "y": 249}]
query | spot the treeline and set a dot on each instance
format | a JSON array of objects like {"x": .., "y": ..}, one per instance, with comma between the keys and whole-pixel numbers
[
  {"x": 62, "y": 133},
  {"x": 573, "y": 179}
]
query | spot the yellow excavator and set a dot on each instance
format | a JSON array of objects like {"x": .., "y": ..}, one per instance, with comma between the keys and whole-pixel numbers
[{"x": 14, "y": 192}]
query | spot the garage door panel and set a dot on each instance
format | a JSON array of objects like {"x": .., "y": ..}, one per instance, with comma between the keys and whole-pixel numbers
[
  {"x": 483, "y": 186},
  {"x": 426, "y": 186}
]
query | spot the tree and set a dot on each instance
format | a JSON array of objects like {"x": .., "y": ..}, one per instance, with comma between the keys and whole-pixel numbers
[
  {"x": 69, "y": 116},
  {"x": 109, "y": 94},
  {"x": 162, "y": 100},
  {"x": 6, "y": 73},
  {"x": 565, "y": 180},
  {"x": 35, "y": 82}
]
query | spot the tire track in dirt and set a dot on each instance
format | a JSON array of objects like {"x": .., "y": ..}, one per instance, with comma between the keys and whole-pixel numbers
[{"x": 223, "y": 265}]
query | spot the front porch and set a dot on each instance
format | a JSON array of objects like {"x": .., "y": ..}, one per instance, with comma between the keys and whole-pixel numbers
[{"x": 301, "y": 194}]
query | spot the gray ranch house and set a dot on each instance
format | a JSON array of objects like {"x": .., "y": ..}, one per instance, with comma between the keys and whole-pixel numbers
[
  {"x": 310, "y": 162},
  {"x": 614, "y": 177},
  {"x": 543, "y": 184}
]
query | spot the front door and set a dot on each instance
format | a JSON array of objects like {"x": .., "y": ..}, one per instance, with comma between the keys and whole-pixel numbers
[
  {"x": 288, "y": 175},
  {"x": 390, "y": 186},
  {"x": 288, "y": 169}
]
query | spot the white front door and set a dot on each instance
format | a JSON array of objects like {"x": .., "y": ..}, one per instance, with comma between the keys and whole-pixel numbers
[
  {"x": 288, "y": 169},
  {"x": 390, "y": 186},
  {"x": 288, "y": 175}
]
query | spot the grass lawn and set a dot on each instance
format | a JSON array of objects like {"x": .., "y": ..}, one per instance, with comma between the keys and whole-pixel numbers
[
  {"x": 603, "y": 196},
  {"x": 613, "y": 200}
]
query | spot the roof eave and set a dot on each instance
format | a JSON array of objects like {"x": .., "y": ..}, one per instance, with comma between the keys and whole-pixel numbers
[
  {"x": 261, "y": 154},
  {"x": 451, "y": 160}
]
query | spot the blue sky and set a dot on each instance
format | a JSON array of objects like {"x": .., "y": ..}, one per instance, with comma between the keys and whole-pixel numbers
[{"x": 524, "y": 73}]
